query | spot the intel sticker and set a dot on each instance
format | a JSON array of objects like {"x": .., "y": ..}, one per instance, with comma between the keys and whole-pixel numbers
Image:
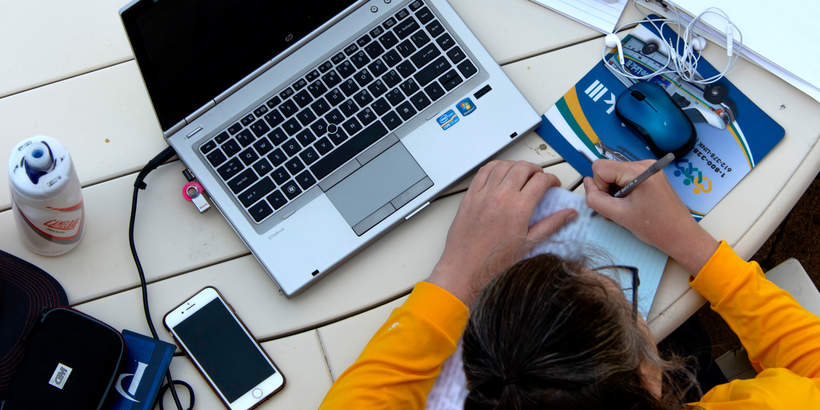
[
  {"x": 447, "y": 120},
  {"x": 466, "y": 107}
]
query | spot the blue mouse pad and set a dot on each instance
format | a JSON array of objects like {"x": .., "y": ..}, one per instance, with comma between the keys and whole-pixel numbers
[{"x": 733, "y": 134}]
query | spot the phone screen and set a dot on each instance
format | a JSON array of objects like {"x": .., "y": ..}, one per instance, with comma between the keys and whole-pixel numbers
[{"x": 223, "y": 349}]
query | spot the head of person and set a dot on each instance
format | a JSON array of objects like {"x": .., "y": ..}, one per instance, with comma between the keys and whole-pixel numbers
[{"x": 551, "y": 334}]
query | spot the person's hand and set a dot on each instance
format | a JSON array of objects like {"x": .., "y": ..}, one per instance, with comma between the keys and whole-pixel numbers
[
  {"x": 491, "y": 230},
  {"x": 653, "y": 212}
]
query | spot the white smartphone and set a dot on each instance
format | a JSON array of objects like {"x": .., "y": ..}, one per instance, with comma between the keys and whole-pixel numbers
[{"x": 224, "y": 350}]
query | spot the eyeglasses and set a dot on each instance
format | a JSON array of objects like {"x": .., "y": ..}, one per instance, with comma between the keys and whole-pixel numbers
[{"x": 635, "y": 282}]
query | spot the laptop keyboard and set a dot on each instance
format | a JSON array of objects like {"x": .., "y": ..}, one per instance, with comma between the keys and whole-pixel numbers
[{"x": 339, "y": 108}]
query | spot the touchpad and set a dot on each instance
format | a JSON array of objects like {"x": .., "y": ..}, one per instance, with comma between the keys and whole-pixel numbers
[{"x": 378, "y": 188}]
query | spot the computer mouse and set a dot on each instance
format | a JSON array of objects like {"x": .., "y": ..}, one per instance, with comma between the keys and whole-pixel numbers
[{"x": 649, "y": 111}]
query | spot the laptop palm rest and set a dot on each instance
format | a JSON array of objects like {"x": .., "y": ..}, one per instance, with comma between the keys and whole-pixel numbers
[{"x": 378, "y": 188}]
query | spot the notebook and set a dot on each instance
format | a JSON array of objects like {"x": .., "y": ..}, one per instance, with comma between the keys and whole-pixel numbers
[{"x": 602, "y": 15}]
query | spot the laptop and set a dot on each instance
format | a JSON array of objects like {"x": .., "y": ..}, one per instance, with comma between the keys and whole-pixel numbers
[{"x": 315, "y": 126}]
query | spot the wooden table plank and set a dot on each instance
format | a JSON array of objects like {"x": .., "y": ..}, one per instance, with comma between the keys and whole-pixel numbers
[
  {"x": 300, "y": 359},
  {"x": 386, "y": 269}
]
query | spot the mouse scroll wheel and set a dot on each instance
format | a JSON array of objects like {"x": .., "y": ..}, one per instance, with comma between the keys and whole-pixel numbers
[{"x": 638, "y": 95}]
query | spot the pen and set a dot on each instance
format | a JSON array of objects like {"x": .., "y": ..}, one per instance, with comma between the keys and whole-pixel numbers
[{"x": 654, "y": 168}]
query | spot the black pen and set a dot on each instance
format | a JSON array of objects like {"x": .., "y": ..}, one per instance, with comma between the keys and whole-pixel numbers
[{"x": 652, "y": 170}]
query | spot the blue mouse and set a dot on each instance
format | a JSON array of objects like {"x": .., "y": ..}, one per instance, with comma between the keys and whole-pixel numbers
[{"x": 649, "y": 111}]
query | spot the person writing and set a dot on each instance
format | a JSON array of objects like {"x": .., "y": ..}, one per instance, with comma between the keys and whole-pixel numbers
[{"x": 552, "y": 333}]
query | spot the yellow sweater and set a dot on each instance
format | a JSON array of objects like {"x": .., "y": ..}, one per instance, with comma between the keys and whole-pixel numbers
[{"x": 399, "y": 365}]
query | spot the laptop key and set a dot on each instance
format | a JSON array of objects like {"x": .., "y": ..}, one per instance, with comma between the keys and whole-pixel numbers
[
  {"x": 374, "y": 50},
  {"x": 236, "y": 127},
  {"x": 352, "y": 126},
  {"x": 425, "y": 55},
  {"x": 303, "y": 98},
  {"x": 326, "y": 66},
  {"x": 248, "y": 156},
  {"x": 406, "y": 69},
  {"x": 248, "y": 119},
  {"x": 335, "y": 96},
  {"x": 388, "y": 40},
  {"x": 409, "y": 87},
  {"x": 312, "y": 76},
  {"x": 434, "y": 91},
  {"x": 260, "y": 111},
  {"x": 306, "y": 117},
  {"x": 406, "y": 28},
  {"x": 456, "y": 55},
  {"x": 309, "y": 156},
  {"x": 432, "y": 71},
  {"x": 216, "y": 158},
  {"x": 363, "y": 98},
  {"x": 415, "y": 5},
  {"x": 207, "y": 147},
  {"x": 450, "y": 80},
  {"x": 260, "y": 211},
  {"x": 291, "y": 147},
  {"x": 392, "y": 78},
  {"x": 222, "y": 137},
  {"x": 360, "y": 59},
  {"x": 402, "y": 14},
  {"x": 467, "y": 69},
  {"x": 435, "y": 28},
  {"x": 277, "y": 157},
  {"x": 262, "y": 167},
  {"x": 420, "y": 101},
  {"x": 257, "y": 191},
  {"x": 445, "y": 41},
  {"x": 317, "y": 89},
  {"x": 391, "y": 58},
  {"x": 276, "y": 200},
  {"x": 377, "y": 88},
  {"x": 291, "y": 190},
  {"x": 263, "y": 146},
  {"x": 424, "y": 15},
  {"x": 389, "y": 23},
  {"x": 291, "y": 127},
  {"x": 338, "y": 136},
  {"x": 287, "y": 92},
  {"x": 323, "y": 146},
  {"x": 363, "y": 77},
  {"x": 392, "y": 120},
  {"x": 320, "y": 107},
  {"x": 406, "y": 110},
  {"x": 331, "y": 79},
  {"x": 229, "y": 169},
  {"x": 348, "y": 150},
  {"x": 349, "y": 87},
  {"x": 319, "y": 127},
  {"x": 334, "y": 117},
  {"x": 259, "y": 128},
  {"x": 230, "y": 148},
  {"x": 376, "y": 32},
  {"x": 305, "y": 137},
  {"x": 280, "y": 175},
  {"x": 420, "y": 38},
  {"x": 363, "y": 40},
  {"x": 346, "y": 69},
  {"x": 349, "y": 107},
  {"x": 294, "y": 165},
  {"x": 395, "y": 97},
  {"x": 406, "y": 48},
  {"x": 377, "y": 68},
  {"x": 299, "y": 84},
  {"x": 366, "y": 116},
  {"x": 242, "y": 181},
  {"x": 288, "y": 108},
  {"x": 381, "y": 106},
  {"x": 338, "y": 58},
  {"x": 277, "y": 136},
  {"x": 274, "y": 118},
  {"x": 305, "y": 180},
  {"x": 245, "y": 137}
]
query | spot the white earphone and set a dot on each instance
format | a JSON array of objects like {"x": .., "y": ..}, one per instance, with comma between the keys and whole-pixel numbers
[{"x": 613, "y": 41}]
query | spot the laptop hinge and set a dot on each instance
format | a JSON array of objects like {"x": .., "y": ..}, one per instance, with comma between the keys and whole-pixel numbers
[{"x": 171, "y": 131}]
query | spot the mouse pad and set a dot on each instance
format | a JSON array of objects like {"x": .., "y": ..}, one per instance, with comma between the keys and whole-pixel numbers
[{"x": 734, "y": 134}]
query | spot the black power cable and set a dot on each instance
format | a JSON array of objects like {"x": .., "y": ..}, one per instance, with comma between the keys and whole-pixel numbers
[{"x": 158, "y": 160}]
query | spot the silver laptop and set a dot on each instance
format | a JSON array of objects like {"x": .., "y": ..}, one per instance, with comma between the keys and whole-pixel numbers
[{"x": 315, "y": 125}]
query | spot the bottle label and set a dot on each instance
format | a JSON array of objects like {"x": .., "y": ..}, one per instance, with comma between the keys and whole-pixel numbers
[{"x": 59, "y": 225}]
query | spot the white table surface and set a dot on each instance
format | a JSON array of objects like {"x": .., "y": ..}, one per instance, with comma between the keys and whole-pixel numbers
[{"x": 73, "y": 77}]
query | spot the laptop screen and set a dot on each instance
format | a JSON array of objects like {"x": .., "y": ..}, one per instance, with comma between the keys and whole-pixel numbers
[{"x": 190, "y": 51}]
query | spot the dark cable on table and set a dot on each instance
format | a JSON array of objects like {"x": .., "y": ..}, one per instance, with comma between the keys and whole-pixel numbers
[{"x": 158, "y": 160}]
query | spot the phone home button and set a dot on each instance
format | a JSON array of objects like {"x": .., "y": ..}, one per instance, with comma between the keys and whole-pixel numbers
[{"x": 256, "y": 393}]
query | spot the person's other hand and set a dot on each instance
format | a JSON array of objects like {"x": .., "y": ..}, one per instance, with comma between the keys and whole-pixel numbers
[
  {"x": 653, "y": 211},
  {"x": 491, "y": 229}
]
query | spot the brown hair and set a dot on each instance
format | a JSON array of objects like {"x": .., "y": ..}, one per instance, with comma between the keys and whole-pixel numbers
[{"x": 544, "y": 334}]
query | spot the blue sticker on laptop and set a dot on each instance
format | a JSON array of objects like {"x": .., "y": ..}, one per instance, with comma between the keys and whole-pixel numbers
[
  {"x": 466, "y": 107},
  {"x": 447, "y": 120}
]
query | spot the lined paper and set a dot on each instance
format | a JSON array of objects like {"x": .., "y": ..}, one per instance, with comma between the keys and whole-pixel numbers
[{"x": 602, "y": 15}]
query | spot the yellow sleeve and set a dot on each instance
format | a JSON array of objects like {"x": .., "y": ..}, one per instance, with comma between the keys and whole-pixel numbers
[
  {"x": 775, "y": 330},
  {"x": 399, "y": 365}
]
